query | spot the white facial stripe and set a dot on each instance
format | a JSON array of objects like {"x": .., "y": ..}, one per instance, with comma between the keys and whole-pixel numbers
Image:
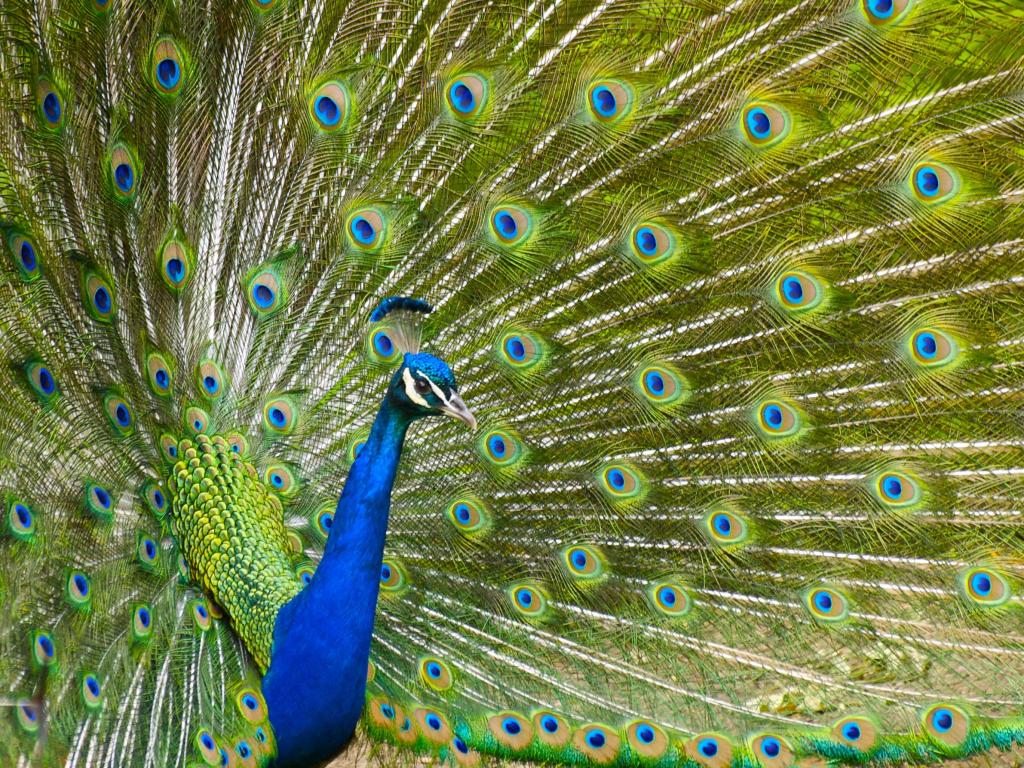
[{"x": 410, "y": 389}]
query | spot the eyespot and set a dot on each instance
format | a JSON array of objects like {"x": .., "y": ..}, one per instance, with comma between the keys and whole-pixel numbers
[
  {"x": 252, "y": 706},
  {"x": 201, "y": 615},
  {"x": 551, "y": 729},
  {"x": 118, "y": 413},
  {"x": 710, "y": 750},
  {"x": 280, "y": 478},
  {"x": 468, "y": 515},
  {"x": 383, "y": 712},
  {"x": 99, "y": 501},
  {"x": 827, "y": 605},
  {"x": 511, "y": 225},
  {"x": 882, "y": 12},
  {"x": 985, "y": 587},
  {"x": 355, "y": 445},
  {"x": 583, "y": 562},
  {"x": 392, "y": 577},
  {"x": 771, "y": 751},
  {"x": 528, "y": 600},
  {"x": 323, "y": 520},
  {"x": 857, "y": 732},
  {"x": 142, "y": 622},
  {"x": 44, "y": 650},
  {"x": 433, "y": 726},
  {"x": 78, "y": 590},
  {"x": 237, "y": 443},
  {"x": 266, "y": 292},
  {"x": 609, "y": 100},
  {"x": 21, "y": 521},
  {"x": 598, "y": 742},
  {"x": 511, "y": 730},
  {"x": 381, "y": 346},
  {"x": 946, "y": 723},
  {"x": 196, "y": 420},
  {"x": 896, "y": 489},
  {"x": 279, "y": 416},
  {"x": 25, "y": 255},
  {"x": 464, "y": 756},
  {"x": 435, "y": 673},
  {"x": 764, "y": 124},
  {"x": 158, "y": 374},
  {"x": 620, "y": 483},
  {"x": 798, "y": 291},
  {"x": 669, "y": 598},
  {"x": 329, "y": 106},
  {"x": 123, "y": 171},
  {"x": 933, "y": 182},
  {"x": 169, "y": 447},
  {"x": 264, "y": 5},
  {"x": 155, "y": 498},
  {"x": 520, "y": 350},
  {"x": 92, "y": 691},
  {"x": 652, "y": 244},
  {"x": 99, "y": 297},
  {"x": 371, "y": 671},
  {"x": 41, "y": 379},
  {"x": 246, "y": 754},
  {"x": 659, "y": 385},
  {"x": 500, "y": 448},
  {"x": 304, "y": 572},
  {"x": 207, "y": 747},
  {"x": 932, "y": 348},
  {"x": 367, "y": 229},
  {"x": 726, "y": 528},
  {"x": 210, "y": 379},
  {"x": 646, "y": 739},
  {"x": 147, "y": 551},
  {"x": 168, "y": 72},
  {"x": 777, "y": 419},
  {"x": 466, "y": 96},
  {"x": 51, "y": 104},
  {"x": 27, "y": 715}
]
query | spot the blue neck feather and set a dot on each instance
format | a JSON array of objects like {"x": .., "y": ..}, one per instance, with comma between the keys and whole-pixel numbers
[{"x": 316, "y": 680}]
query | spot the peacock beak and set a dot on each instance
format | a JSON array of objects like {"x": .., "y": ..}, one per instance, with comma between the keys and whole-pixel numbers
[{"x": 457, "y": 409}]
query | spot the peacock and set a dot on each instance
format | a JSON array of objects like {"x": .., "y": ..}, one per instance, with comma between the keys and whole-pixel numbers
[{"x": 586, "y": 382}]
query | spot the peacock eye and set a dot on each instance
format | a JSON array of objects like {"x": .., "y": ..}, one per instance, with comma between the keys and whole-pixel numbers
[{"x": 422, "y": 386}]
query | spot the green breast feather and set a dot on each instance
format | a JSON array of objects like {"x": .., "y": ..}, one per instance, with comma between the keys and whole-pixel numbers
[{"x": 231, "y": 532}]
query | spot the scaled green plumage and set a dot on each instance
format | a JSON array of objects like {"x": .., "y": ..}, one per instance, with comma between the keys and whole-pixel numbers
[{"x": 734, "y": 289}]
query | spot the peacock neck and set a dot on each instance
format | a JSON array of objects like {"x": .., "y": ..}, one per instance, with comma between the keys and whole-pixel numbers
[{"x": 315, "y": 683}]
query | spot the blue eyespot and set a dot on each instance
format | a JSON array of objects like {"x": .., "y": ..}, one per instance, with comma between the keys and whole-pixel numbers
[
  {"x": 362, "y": 230},
  {"x": 51, "y": 107},
  {"x": 942, "y": 720},
  {"x": 793, "y": 290},
  {"x": 150, "y": 548},
  {"x": 144, "y": 617},
  {"x": 654, "y": 383},
  {"x": 28, "y": 256},
  {"x": 722, "y": 523},
  {"x": 168, "y": 73},
  {"x": 249, "y": 701},
  {"x": 525, "y": 598},
  {"x": 758, "y": 123},
  {"x": 506, "y": 225},
  {"x": 263, "y": 296},
  {"x": 515, "y": 348},
  {"x": 616, "y": 479},
  {"x": 880, "y": 9},
  {"x": 124, "y": 177},
  {"x": 461, "y": 97},
  {"x": 645, "y": 733},
  {"x": 433, "y": 722},
  {"x": 667, "y": 595},
  {"x": 926, "y": 345},
  {"x": 462, "y": 513},
  {"x": 201, "y": 610},
  {"x": 981, "y": 584},
  {"x": 708, "y": 747},
  {"x": 383, "y": 345},
  {"x": 771, "y": 747},
  {"x": 646, "y": 241},
  {"x": 388, "y": 711},
  {"x": 927, "y": 181},
  {"x": 497, "y": 446},
  {"x": 823, "y": 600},
  {"x": 93, "y": 685},
  {"x": 101, "y": 298},
  {"x": 851, "y": 732},
  {"x": 511, "y": 726},
  {"x": 162, "y": 378},
  {"x": 603, "y": 101},
  {"x": 102, "y": 496},
  {"x": 596, "y": 738},
  {"x": 460, "y": 745},
  {"x": 434, "y": 669},
  {"x": 207, "y": 741},
  {"x": 773, "y": 416},
  {"x": 327, "y": 111},
  {"x": 549, "y": 723},
  {"x": 23, "y": 515},
  {"x": 385, "y": 572}
]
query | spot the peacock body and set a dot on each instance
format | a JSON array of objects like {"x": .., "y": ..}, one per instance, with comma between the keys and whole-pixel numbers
[{"x": 732, "y": 289}]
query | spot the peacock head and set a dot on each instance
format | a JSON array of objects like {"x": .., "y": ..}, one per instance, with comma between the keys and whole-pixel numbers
[{"x": 424, "y": 385}]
